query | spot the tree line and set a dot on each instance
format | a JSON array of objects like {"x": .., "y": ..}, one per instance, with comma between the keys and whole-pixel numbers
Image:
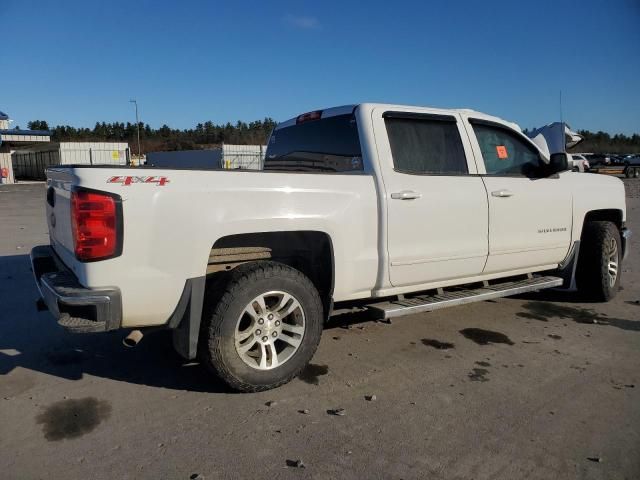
[
  {"x": 165, "y": 138},
  {"x": 208, "y": 134},
  {"x": 602, "y": 142}
]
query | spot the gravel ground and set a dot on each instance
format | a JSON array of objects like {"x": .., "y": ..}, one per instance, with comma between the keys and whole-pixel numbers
[
  {"x": 632, "y": 186},
  {"x": 539, "y": 386}
]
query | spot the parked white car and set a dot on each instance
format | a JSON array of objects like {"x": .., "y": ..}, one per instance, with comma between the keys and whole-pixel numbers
[
  {"x": 384, "y": 206},
  {"x": 579, "y": 163}
]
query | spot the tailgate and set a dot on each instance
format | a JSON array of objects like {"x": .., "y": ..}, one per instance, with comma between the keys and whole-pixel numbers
[{"x": 59, "y": 184}]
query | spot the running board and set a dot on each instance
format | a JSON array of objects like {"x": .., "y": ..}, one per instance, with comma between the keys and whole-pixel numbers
[{"x": 443, "y": 299}]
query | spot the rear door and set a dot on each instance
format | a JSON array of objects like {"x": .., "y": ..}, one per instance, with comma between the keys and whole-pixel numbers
[
  {"x": 436, "y": 207},
  {"x": 530, "y": 213}
]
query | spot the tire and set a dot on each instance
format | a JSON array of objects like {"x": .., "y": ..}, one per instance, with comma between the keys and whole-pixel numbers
[
  {"x": 594, "y": 277},
  {"x": 253, "y": 291},
  {"x": 636, "y": 172}
]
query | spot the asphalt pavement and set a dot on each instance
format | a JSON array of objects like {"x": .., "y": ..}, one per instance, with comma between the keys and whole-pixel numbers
[{"x": 540, "y": 386}]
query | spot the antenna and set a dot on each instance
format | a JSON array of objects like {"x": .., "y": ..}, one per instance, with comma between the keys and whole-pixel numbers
[{"x": 563, "y": 141}]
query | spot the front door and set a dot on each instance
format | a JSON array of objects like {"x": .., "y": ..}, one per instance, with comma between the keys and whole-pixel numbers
[
  {"x": 530, "y": 213},
  {"x": 437, "y": 208}
]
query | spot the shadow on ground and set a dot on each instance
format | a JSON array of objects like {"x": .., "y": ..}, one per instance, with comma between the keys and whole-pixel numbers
[
  {"x": 349, "y": 318},
  {"x": 545, "y": 310},
  {"x": 545, "y": 305},
  {"x": 552, "y": 295},
  {"x": 32, "y": 340}
]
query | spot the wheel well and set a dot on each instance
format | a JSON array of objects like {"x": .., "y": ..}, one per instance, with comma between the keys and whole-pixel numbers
[
  {"x": 310, "y": 252},
  {"x": 610, "y": 215}
]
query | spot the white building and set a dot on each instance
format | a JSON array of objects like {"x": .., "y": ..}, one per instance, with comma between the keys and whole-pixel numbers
[
  {"x": 4, "y": 121},
  {"x": 12, "y": 139}
]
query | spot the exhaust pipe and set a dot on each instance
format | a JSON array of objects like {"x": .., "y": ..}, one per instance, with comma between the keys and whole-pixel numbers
[{"x": 133, "y": 338}]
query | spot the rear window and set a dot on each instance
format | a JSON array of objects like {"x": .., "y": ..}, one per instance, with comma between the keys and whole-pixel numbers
[
  {"x": 426, "y": 146},
  {"x": 325, "y": 145}
]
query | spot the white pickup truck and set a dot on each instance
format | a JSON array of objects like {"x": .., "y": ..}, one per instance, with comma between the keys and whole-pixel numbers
[{"x": 400, "y": 209}]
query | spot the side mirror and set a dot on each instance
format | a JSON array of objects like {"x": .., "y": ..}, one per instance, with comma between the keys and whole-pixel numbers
[{"x": 558, "y": 162}]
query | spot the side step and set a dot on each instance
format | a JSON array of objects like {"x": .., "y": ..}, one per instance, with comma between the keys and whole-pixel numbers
[{"x": 427, "y": 303}]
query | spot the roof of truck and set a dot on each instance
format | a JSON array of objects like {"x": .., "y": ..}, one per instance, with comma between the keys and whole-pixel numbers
[{"x": 345, "y": 109}]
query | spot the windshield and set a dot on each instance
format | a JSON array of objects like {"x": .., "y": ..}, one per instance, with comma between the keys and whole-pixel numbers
[{"x": 325, "y": 145}]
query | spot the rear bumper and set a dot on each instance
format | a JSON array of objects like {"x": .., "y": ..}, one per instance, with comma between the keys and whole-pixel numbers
[{"x": 76, "y": 308}]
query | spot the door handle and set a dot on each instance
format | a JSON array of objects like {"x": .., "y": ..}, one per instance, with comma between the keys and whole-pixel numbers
[
  {"x": 502, "y": 193},
  {"x": 406, "y": 195}
]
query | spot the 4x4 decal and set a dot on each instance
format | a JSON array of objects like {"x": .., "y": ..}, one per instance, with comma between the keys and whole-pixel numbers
[{"x": 129, "y": 180}]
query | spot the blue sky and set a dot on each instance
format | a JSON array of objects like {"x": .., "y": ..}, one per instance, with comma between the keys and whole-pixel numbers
[{"x": 78, "y": 62}]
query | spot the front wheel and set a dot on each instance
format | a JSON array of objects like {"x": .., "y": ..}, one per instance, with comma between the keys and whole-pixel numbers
[
  {"x": 265, "y": 327},
  {"x": 598, "y": 269}
]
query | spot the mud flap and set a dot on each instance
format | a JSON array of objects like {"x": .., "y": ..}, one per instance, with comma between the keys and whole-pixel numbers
[
  {"x": 567, "y": 269},
  {"x": 185, "y": 320}
]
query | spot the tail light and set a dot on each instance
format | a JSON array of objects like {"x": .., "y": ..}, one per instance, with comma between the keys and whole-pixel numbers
[{"x": 96, "y": 222}]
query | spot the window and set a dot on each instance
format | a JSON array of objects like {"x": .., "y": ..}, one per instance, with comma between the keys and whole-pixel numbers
[
  {"x": 325, "y": 145},
  {"x": 506, "y": 154},
  {"x": 425, "y": 144}
]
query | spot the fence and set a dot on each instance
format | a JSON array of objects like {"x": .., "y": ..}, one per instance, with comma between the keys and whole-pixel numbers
[
  {"x": 246, "y": 157},
  {"x": 118, "y": 154},
  {"x": 31, "y": 165}
]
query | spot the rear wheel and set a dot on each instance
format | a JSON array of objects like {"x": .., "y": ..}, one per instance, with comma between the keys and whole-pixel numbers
[
  {"x": 264, "y": 329},
  {"x": 598, "y": 270}
]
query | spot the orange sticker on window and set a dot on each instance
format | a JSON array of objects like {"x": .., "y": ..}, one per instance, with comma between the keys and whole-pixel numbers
[{"x": 501, "y": 150}]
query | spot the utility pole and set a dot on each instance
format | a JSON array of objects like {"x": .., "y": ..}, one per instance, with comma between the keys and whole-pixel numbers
[{"x": 138, "y": 126}]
